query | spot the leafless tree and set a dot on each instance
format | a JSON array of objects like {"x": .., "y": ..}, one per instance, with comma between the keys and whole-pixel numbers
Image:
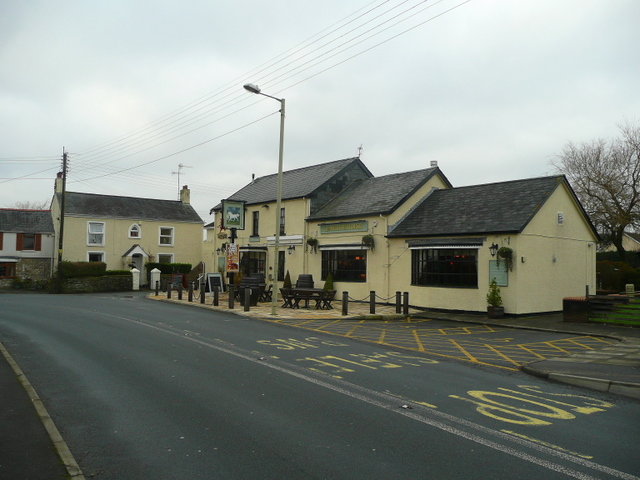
[
  {"x": 32, "y": 205},
  {"x": 606, "y": 178}
]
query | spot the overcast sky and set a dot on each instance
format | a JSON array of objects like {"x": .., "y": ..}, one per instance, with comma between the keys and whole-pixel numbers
[{"x": 492, "y": 89}]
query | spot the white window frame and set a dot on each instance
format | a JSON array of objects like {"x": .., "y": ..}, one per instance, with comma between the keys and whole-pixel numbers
[
  {"x": 170, "y": 255},
  {"x": 137, "y": 228},
  {"x": 96, "y": 253},
  {"x": 160, "y": 237},
  {"x": 89, "y": 233}
]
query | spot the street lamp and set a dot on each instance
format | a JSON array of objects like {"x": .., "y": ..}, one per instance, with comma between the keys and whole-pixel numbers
[{"x": 250, "y": 87}]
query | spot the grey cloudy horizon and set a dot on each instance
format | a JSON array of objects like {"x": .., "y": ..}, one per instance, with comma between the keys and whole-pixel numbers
[{"x": 490, "y": 89}]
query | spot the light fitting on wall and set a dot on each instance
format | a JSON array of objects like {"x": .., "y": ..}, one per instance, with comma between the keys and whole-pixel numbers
[
  {"x": 493, "y": 249},
  {"x": 222, "y": 249},
  {"x": 290, "y": 249}
]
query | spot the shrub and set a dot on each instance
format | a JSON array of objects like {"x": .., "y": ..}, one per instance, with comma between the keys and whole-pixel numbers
[
  {"x": 117, "y": 272},
  {"x": 328, "y": 283},
  {"x": 82, "y": 269},
  {"x": 615, "y": 275}
]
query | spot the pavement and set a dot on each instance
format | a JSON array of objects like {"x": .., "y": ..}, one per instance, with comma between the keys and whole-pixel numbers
[{"x": 36, "y": 453}]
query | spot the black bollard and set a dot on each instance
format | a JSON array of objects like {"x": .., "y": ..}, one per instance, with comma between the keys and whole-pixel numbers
[
  {"x": 190, "y": 294},
  {"x": 398, "y": 302},
  {"x": 168, "y": 290},
  {"x": 216, "y": 296},
  {"x": 202, "y": 293},
  {"x": 345, "y": 303},
  {"x": 247, "y": 298},
  {"x": 180, "y": 292},
  {"x": 157, "y": 287},
  {"x": 372, "y": 302},
  {"x": 405, "y": 304},
  {"x": 231, "y": 294}
]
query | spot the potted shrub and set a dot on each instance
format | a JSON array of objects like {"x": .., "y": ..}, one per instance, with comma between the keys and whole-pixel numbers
[
  {"x": 287, "y": 281},
  {"x": 368, "y": 241},
  {"x": 313, "y": 244},
  {"x": 494, "y": 301},
  {"x": 506, "y": 254},
  {"x": 328, "y": 283}
]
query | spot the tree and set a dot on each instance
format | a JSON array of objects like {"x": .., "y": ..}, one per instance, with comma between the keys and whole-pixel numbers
[
  {"x": 32, "y": 205},
  {"x": 606, "y": 178}
]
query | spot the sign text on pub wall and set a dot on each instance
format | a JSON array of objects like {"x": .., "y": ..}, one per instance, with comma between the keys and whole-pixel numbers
[{"x": 345, "y": 227}]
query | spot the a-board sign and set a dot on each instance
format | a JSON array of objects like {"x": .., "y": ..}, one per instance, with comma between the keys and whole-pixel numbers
[
  {"x": 176, "y": 280},
  {"x": 215, "y": 279}
]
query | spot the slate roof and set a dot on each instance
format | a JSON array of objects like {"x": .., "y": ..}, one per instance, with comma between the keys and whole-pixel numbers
[
  {"x": 109, "y": 206},
  {"x": 505, "y": 207},
  {"x": 297, "y": 183},
  {"x": 25, "y": 221},
  {"x": 376, "y": 195}
]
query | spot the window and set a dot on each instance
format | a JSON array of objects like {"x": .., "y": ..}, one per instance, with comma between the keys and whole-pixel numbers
[
  {"x": 134, "y": 231},
  {"x": 96, "y": 233},
  {"x": 95, "y": 256},
  {"x": 7, "y": 270},
  {"x": 444, "y": 267},
  {"x": 165, "y": 258},
  {"x": 282, "y": 230},
  {"x": 255, "y": 231},
  {"x": 345, "y": 265},
  {"x": 253, "y": 262},
  {"x": 166, "y": 236},
  {"x": 28, "y": 241},
  {"x": 281, "y": 257}
]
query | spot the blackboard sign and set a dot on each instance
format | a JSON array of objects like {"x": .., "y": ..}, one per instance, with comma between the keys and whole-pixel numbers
[
  {"x": 215, "y": 279},
  {"x": 176, "y": 280},
  {"x": 499, "y": 273}
]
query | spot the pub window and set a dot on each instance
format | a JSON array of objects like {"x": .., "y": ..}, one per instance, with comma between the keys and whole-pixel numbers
[
  {"x": 282, "y": 229},
  {"x": 134, "y": 231},
  {"x": 345, "y": 265},
  {"x": 255, "y": 231},
  {"x": 253, "y": 262},
  {"x": 95, "y": 256},
  {"x": 281, "y": 257},
  {"x": 165, "y": 258},
  {"x": 444, "y": 267}
]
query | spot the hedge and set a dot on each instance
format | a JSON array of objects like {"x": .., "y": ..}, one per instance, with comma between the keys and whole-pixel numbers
[
  {"x": 169, "y": 268},
  {"x": 82, "y": 269}
]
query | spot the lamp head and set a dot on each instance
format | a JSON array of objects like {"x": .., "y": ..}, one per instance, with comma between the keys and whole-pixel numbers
[{"x": 250, "y": 87}]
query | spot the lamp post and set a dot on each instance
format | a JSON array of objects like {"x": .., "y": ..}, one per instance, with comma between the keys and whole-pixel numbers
[{"x": 250, "y": 87}]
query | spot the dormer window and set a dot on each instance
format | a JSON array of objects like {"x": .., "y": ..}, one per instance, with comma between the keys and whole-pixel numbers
[{"x": 134, "y": 231}]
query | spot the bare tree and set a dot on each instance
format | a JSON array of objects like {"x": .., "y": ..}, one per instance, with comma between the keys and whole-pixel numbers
[
  {"x": 32, "y": 205},
  {"x": 606, "y": 178}
]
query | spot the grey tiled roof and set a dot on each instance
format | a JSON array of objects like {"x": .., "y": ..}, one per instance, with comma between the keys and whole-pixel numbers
[
  {"x": 297, "y": 183},
  {"x": 480, "y": 209},
  {"x": 376, "y": 195},
  {"x": 25, "y": 221},
  {"x": 108, "y": 206}
]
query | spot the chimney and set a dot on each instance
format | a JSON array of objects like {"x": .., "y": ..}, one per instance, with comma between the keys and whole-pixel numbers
[
  {"x": 58, "y": 185},
  {"x": 185, "y": 195},
  {"x": 434, "y": 163}
]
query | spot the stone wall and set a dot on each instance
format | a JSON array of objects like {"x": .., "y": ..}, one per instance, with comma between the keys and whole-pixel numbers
[
  {"x": 34, "y": 268},
  {"x": 108, "y": 283}
]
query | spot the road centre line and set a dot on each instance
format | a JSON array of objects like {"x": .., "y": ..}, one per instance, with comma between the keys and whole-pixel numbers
[{"x": 388, "y": 402}]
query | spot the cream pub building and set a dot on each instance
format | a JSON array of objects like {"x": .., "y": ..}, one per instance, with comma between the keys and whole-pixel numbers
[{"x": 414, "y": 232}]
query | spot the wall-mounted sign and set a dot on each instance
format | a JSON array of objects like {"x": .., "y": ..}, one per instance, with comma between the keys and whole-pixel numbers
[
  {"x": 345, "y": 227},
  {"x": 233, "y": 214},
  {"x": 233, "y": 258},
  {"x": 499, "y": 273}
]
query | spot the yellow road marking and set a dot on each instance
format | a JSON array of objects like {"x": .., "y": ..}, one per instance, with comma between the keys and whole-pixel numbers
[
  {"x": 502, "y": 355},
  {"x": 546, "y": 444},
  {"x": 418, "y": 341},
  {"x": 467, "y": 354}
]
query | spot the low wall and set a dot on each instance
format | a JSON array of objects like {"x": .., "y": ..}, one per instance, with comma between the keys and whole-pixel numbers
[{"x": 107, "y": 283}]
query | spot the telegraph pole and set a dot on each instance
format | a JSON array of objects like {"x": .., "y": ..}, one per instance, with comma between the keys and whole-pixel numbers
[{"x": 62, "y": 210}]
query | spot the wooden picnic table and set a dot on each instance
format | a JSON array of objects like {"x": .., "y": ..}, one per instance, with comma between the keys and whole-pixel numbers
[{"x": 293, "y": 296}]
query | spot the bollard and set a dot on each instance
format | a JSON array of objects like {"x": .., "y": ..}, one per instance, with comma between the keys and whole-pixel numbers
[
  {"x": 157, "y": 287},
  {"x": 398, "y": 302},
  {"x": 345, "y": 303},
  {"x": 190, "y": 294},
  {"x": 372, "y": 302},
  {"x": 247, "y": 298},
  {"x": 180, "y": 292},
  {"x": 168, "y": 290},
  {"x": 231, "y": 294},
  {"x": 405, "y": 304},
  {"x": 202, "y": 293},
  {"x": 216, "y": 296}
]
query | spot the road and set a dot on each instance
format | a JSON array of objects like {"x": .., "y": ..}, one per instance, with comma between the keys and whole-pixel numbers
[{"x": 143, "y": 389}]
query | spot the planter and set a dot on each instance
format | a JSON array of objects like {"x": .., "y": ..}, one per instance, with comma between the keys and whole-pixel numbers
[{"x": 495, "y": 312}]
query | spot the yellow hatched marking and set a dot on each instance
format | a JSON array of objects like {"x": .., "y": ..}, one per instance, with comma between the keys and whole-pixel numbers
[
  {"x": 467, "y": 354},
  {"x": 531, "y": 351},
  {"x": 418, "y": 341},
  {"x": 383, "y": 334},
  {"x": 552, "y": 345},
  {"x": 508, "y": 359},
  {"x": 354, "y": 329}
]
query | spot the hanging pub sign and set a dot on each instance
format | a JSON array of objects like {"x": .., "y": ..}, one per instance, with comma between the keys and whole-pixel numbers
[
  {"x": 233, "y": 214},
  {"x": 233, "y": 258}
]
